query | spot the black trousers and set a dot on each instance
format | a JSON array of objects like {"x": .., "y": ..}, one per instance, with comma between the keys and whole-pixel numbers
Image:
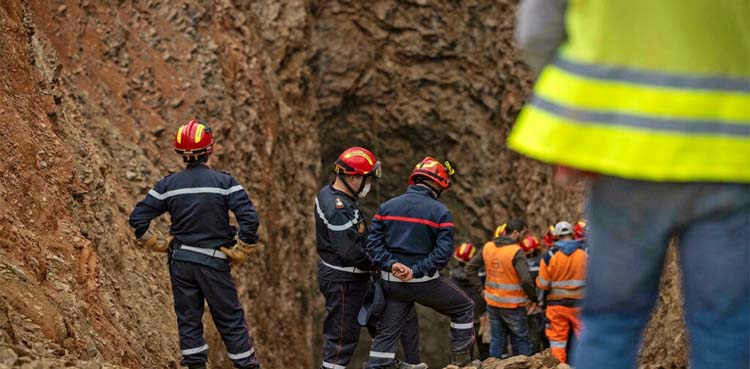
[
  {"x": 438, "y": 294},
  {"x": 192, "y": 284},
  {"x": 341, "y": 330}
]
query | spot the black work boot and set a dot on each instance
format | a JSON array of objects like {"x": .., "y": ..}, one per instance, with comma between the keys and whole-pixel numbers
[{"x": 461, "y": 359}]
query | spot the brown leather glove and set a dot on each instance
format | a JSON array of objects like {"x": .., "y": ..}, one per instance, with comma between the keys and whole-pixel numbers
[
  {"x": 239, "y": 252},
  {"x": 155, "y": 241}
]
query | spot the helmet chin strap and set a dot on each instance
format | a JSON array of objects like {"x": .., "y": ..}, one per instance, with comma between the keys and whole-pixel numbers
[{"x": 348, "y": 187}]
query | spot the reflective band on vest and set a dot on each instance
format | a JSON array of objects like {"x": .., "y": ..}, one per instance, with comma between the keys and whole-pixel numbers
[{"x": 613, "y": 102}]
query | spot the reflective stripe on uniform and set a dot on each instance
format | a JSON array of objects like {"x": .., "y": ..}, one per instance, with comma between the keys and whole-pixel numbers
[
  {"x": 383, "y": 355},
  {"x": 462, "y": 325},
  {"x": 332, "y": 366},
  {"x": 201, "y": 250},
  {"x": 569, "y": 283},
  {"x": 557, "y": 344},
  {"x": 242, "y": 355},
  {"x": 392, "y": 278},
  {"x": 344, "y": 269},
  {"x": 654, "y": 123},
  {"x": 334, "y": 227},
  {"x": 507, "y": 300},
  {"x": 534, "y": 269},
  {"x": 503, "y": 286},
  {"x": 563, "y": 292},
  {"x": 195, "y": 190},
  {"x": 194, "y": 350},
  {"x": 543, "y": 282},
  {"x": 652, "y": 78}
]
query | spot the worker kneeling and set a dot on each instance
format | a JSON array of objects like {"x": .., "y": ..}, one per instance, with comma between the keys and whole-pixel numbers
[
  {"x": 411, "y": 240},
  {"x": 563, "y": 273}
]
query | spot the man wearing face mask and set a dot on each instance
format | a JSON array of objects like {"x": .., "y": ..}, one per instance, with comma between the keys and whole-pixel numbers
[{"x": 344, "y": 269}]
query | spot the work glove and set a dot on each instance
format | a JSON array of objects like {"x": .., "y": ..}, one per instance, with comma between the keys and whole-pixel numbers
[
  {"x": 238, "y": 253},
  {"x": 484, "y": 328},
  {"x": 155, "y": 241}
]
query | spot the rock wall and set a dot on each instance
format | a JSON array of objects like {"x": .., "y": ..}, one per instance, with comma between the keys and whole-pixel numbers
[{"x": 91, "y": 94}]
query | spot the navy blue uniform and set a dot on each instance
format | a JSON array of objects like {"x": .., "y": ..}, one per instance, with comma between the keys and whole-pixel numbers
[
  {"x": 417, "y": 230},
  {"x": 198, "y": 200},
  {"x": 343, "y": 276}
]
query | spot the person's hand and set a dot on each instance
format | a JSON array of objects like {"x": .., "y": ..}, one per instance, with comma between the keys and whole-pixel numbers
[
  {"x": 402, "y": 272},
  {"x": 568, "y": 177},
  {"x": 532, "y": 308},
  {"x": 484, "y": 328}
]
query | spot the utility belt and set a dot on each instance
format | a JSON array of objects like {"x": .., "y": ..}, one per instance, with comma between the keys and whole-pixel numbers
[
  {"x": 388, "y": 276},
  {"x": 202, "y": 250},
  {"x": 350, "y": 269}
]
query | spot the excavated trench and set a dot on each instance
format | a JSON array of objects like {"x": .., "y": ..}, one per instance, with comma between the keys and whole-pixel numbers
[{"x": 90, "y": 92}]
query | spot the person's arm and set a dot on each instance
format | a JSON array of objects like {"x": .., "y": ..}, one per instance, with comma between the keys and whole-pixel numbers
[
  {"x": 540, "y": 31},
  {"x": 543, "y": 279},
  {"x": 345, "y": 238},
  {"x": 472, "y": 271},
  {"x": 376, "y": 245},
  {"x": 441, "y": 254},
  {"x": 244, "y": 211},
  {"x": 522, "y": 268},
  {"x": 146, "y": 210}
]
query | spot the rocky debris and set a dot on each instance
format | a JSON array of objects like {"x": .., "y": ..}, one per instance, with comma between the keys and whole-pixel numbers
[{"x": 542, "y": 360}]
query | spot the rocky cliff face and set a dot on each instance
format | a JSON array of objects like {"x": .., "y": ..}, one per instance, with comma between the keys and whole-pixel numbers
[{"x": 91, "y": 92}]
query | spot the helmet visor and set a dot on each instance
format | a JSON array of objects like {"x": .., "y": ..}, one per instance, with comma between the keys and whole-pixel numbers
[{"x": 377, "y": 170}]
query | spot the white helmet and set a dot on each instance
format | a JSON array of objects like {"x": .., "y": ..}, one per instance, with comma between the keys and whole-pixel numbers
[{"x": 562, "y": 228}]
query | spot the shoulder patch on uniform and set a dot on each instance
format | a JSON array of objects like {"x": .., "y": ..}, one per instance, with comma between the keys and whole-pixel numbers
[{"x": 339, "y": 203}]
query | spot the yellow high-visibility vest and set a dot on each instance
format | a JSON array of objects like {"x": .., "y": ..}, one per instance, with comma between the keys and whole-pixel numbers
[{"x": 645, "y": 89}]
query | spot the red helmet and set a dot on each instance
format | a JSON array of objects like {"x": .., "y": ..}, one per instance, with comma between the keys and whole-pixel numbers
[
  {"x": 549, "y": 237},
  {"x": 529, "y": 243},
  {"x": 194, "y": 138},
  {"x": 464, "y": 252},
  {"x": 358, "y": 161},
  {"x": 432, "y": 169},
  {"x": 579, "y": 230},
  {"x": 500, "y": 230}
]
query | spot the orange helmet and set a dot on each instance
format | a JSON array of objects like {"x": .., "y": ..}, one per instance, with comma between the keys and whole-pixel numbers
[
  {"x": 358, "y": 161},
  {"x": 500, "y": 230},
  {"x": 579, "y": 230},
  {"x": 549, "y": 237},
  {"x": 194, "y": 138},
  {"x": 529, "y": 243},
  {"x": 432, "y": 169},
  {"x": 464, "y": 252}
]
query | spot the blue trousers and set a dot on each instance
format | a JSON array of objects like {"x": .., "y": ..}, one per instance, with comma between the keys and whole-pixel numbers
[
  {"x": 439, "y": 294},
  {"x": 631, "y": 223},
  {"x": 513, "y": 321},
  {"x": 341, "y": 330},
  {"x": 192, "y": 286}
]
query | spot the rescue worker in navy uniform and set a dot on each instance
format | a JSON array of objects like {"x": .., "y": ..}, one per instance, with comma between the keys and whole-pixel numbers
[
  {"x": 344, "y": 268},
  {"x": 411, "y": 240},
  {"x": 201, "y": 246}
]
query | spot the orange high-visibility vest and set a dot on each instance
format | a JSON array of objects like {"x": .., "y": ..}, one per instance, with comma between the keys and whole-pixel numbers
[
  {"x": 502, "y": 288},
  {"x": 564, "y": 276}
]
